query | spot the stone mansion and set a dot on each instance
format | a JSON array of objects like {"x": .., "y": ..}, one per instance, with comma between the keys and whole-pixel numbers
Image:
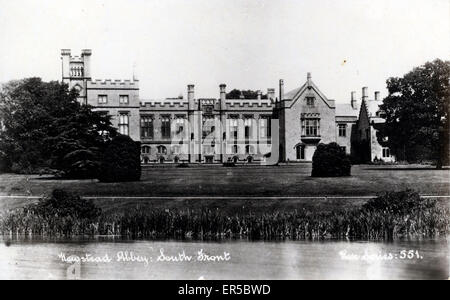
[{"x": 282, "y": 127}]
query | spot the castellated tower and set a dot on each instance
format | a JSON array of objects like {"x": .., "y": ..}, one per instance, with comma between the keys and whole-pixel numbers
[
  {"x": 118, "y": 98},
  {"x": 76, "y": 71}
]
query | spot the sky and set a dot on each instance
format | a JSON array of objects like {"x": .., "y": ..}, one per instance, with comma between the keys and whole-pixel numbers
[{"x": 246, "y": 44}]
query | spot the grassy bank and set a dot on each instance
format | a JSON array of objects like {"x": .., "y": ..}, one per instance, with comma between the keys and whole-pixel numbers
[
  {"x": 404, "y": 214},
  {"x": 292, "y": 180}
]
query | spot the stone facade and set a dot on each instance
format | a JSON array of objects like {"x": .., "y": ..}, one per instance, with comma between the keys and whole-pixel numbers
[
  {"x": 371, "y": 117},
  {"x": 216, "y": 130}
]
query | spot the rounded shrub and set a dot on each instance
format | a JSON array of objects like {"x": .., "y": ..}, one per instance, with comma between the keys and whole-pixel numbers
[
  {"x": 121, "y": 161},
  {"x": 330, "y": 160}
]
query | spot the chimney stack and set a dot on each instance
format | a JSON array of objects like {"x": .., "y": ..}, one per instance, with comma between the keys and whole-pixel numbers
[
  {"x": 308, "y": 78},
  {"x": 223, "y": 96},
  {"x": 191, "y": 101},
  {"x": 377, "y": 96},
  {"x": 364, "y": 93},
  {"x": 271, "y": 94},
  {"x": 281, "y": 90},
  {"x": 353, "y": 100}
]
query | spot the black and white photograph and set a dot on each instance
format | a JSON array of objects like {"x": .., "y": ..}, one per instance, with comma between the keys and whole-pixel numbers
[{"x": 224, "y": 141}]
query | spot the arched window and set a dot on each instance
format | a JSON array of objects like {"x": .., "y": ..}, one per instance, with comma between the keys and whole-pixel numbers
[
  {"x": 162, "y": 150},
  {"x": 78, "y": 88},
  {"x": 300, "y": 152},
  {"x": 145, "y": 149}
]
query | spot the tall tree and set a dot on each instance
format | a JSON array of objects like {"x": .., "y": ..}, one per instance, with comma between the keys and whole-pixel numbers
[
  {"x": 45, "y": 127},
  {"x": 417, "y": 113}
]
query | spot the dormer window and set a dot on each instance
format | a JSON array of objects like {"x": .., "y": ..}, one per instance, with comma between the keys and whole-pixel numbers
[{"x": 310, "y": 101}]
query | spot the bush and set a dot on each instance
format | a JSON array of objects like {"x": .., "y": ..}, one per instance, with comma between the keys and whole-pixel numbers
[
  {"x": 60, "y": 214},
  {"x": 81, "y": 164},
  {"x": 330, "y": 160},
  {"x": 398, "y": 203},
  {"x": 62, "y": 204},
  {"x": 121, "y": 161}
]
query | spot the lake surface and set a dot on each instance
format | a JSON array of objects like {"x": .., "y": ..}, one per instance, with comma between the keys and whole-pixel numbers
[{"x": 110, "y": 258}]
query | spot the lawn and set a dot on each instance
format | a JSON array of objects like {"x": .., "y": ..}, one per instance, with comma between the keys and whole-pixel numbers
[
  {"x": 293, "y": 180},
  {"x": 251, "y": 181}
]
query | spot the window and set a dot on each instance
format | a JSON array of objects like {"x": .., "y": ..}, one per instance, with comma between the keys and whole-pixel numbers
[
  {"x": 165, "y": 127},
  {"x": 124, "y": 123},
  {"x": 147, "y": 127},
  {"x": 145, "y": 150},
  {"x": 300, "y": 152},
  {"x": 234, "y": 127},
  {"x": 265, "y": 127},
  {"x": 248, "y": 126},
  {"x": 235, "y": 149},
  {"x": 179, "y": 126},
  {"x": 342, "y": 130},
  {"x": 310, "y": 101},
  {"x": 162, "y": 150},
  {"x": 310, "y": 127},
  {"x": 208, "y": 126},
  {"x": 123, "y": 99},
  {"x": 102, "y": 99},
  {"x": 386, "y": 152}
]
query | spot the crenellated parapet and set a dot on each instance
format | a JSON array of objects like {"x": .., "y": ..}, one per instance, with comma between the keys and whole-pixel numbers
[
  {"x": 164, "y": 104},
  {"x": 248, "y": 104},
  {"x": 113, "y": 84}
]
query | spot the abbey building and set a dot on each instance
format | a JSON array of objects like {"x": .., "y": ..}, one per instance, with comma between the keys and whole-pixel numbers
[{"x": 278, "y": 127}]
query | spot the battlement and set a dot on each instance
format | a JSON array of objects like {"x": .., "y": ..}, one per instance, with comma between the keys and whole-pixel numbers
[
  {"x": 248, "y": 103},
  {"x": 165, "y": 104},
  {"x": 108, "y": 83},
  {"x": 86, "y": 52}
]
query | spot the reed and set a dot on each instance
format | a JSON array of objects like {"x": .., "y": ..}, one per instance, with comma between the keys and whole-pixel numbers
[{"x": 378, "y": 219}]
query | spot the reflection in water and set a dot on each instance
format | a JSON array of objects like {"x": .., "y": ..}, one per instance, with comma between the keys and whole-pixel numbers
[{"x": 53, "y": 259}]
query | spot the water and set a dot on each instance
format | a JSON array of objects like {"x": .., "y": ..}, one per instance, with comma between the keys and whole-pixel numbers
[{"x": 41, "y": 259}]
